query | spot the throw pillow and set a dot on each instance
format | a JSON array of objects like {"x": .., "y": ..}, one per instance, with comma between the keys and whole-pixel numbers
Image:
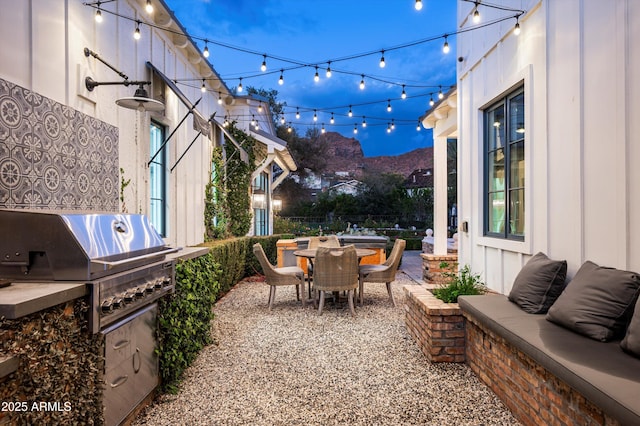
[
  {"x": 631, "y": 341},
  {"x": 597, "y": 302},
  {"x": 538, "y": 284}
]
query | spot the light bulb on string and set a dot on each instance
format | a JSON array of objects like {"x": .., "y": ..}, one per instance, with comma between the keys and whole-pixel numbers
[
  {"x": 516, "y": 28},
  {"x": 315, "y": 116},
  {"x": 289, "y": 129},
  {"x": 203, "y": 88},
  {"x": 263, "y": 67},
  {"x": 350, "y": 113},
  {"x": 332, "y": 120},
  {"x": 362, "y": 83},
  {"x": 282, "y": 119},
  {"x": 476, "y": 15},
  {"x": 260, "y": 107},
  {"x": 445, "y": 46},
  {"x": 388, "y": 105},
  {"x": 316, "y": 77},
  {"x": 388, "y": 128},
  {"x": 382, "y": 62},
  {"x": 404, "y": 94},
  {"x": 136, "y": 33},
  {"x": 322, "y": 129},
  {"x": 418, "y": 5},
  {"x": 253, "y": 119},
  {"x": 393, "y": 125},
  {"x": 220, "y": 99},
  {"x": 205, "y": 52},
  {"x": 364, "y": 121},
  {"x": 240, "y": 86},
  {"x": 440, "y": 94},
  {"x": 98, "y": 14},
  {"x": 149, "y": 7},
  {"x": 418, "y": 128},
  {"x": 297, "y": 113},
  {"x": 329, "y": 69},
  {"x": 281, "y": 79},
  {"x": 355, "y": 129},
  {"x": 431, "y": 102}
]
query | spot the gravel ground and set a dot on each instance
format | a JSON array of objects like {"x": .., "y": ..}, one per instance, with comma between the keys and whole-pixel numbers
[{"x": 293, "y": 367}]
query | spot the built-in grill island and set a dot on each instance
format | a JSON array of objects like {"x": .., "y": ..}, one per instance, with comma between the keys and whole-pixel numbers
[{"x": 122, "y": 261}]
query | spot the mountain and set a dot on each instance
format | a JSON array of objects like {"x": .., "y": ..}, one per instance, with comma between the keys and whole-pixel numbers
[{"x": 345, "y": 155}]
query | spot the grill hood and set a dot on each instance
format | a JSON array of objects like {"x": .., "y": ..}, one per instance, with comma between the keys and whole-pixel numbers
[{"x": 40, "y": 245}]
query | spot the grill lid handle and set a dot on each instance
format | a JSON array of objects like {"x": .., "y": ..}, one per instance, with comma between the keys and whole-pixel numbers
[{"x": 110, "y": 265}]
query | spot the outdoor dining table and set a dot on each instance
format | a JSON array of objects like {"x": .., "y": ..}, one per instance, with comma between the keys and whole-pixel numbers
[{"x": 310, "y": 254}]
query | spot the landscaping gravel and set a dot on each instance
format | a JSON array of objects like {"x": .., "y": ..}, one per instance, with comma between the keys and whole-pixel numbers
[{"x": 290, "y": 366}]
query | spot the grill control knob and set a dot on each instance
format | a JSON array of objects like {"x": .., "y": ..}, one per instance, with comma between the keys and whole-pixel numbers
[
  {"x": 106, "y": 306},
  {"x": 117, "y": 302},
  {"x": 139, "y": 291},
  {"x": 149, "y": 288},
  {"x": 130, "y": 296},
  {"x": 166, "y": 281},
  {"x": 158, "y": 283}
]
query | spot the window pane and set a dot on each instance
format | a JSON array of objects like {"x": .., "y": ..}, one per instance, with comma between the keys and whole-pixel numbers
[
  {"x": 516, "y": 180},
  {"x": 496, "y": 125},
  {"x": 516, "y": 117},
  {"x": 496, "y": 212},
  {"x": 157, "y": 180},
  {"x": 516, "y": 212},
  {"x": 496, "y": 171}
]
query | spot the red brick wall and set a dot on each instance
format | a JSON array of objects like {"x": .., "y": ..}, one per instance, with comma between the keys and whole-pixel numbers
[
  {"x": 437, "y": 327},
  {"x": 534, "y": 396}
]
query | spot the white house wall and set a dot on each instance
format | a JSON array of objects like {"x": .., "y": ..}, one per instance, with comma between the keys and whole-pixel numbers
[
  {"x": 579, "y": 60},
  {"x": 42, "y": 50}
]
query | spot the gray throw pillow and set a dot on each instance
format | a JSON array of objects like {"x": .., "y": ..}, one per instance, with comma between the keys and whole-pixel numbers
[
  {"x": 597, "y": 302},
  {"x": 631, "y": 341},
  {"x": 538, "y": 284}
]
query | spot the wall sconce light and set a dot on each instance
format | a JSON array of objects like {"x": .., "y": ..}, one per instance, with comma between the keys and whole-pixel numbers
[
  {"x": 259, "y": 199},
  {"x": 277, "y": 204},
  {"x": 139, "y": 101}
]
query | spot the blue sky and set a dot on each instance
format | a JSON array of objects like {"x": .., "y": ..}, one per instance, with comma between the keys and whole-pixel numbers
[{"x": 315, "y": 32}]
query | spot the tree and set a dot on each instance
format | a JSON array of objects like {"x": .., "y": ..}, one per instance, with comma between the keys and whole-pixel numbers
[{"x": 276, "y": 108}]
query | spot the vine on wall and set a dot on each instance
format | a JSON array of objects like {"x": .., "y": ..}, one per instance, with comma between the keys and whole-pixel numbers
[{"x": 227, "y": 203}]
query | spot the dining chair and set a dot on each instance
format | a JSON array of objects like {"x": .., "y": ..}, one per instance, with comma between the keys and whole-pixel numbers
[
  {"x": 286, "y": 275},
  {"x": 336, "y": 270},
  {"x": 383, "y": 273}
]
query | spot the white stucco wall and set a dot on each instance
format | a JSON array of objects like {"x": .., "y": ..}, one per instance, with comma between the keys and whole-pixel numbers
[
  {"x": 42, "y": 43},
  {"x": 579, "y": 60}
]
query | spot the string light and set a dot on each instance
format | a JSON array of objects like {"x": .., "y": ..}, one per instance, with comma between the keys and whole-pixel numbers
[
  {"x": 253, "y": 119},
  {"x": 440, "y": 94},
  {"x": 364, "y": 121},
  {"x": 297, "y": 113},
  {"x": 418, "y": 128},
  {"x": 350, "y": 113},
  {"x": 282, "y": 120},
  {"x": 240, "y": 86},
  {"x": 205, "y": 52},
  {"x": 332, "y": 119},
  {"x": 355, "y": 129},
  {"x": 516, "y": 29},
  {"x": 263, "y": 67},
  {"x": 316, "y": 77},
  {"x": 315, "y": 116},
  {"x": 476, "y": 15},
  {"x": 404, "y": 94},
  {"x": 418, "y": 5},
  {"x": 388, "y": 128},
  {"x": 220, "y": 99},
  {"x": 98, "y": 14},
  {"x": 445, "y": 46},
  {"x": 226, "y": 121},
  {"x": 393, "y": 125},
  {"x": 388, "y": 105},
  {"x": 281, "y": 79},
  {"x": 322, "y": 129},
  {"x": 289, "y": 128},
  {"x": 362, "y": 83},
  {"x": 260, "y": 107},
  {"x": 136, "y": 33},
  {"x": 149, "y": 7},
  {"x": 203, "y": 89},
  {"x": 382, "y": 63},
  {"x": 431, "y": 102},
  {"x": 329, "y": 69}
]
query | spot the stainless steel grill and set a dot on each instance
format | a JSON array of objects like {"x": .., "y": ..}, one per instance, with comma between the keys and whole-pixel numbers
[{"x": 122, "y": 261}]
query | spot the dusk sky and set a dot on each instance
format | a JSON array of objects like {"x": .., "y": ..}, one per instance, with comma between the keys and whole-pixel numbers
[{"x": 316, "y": 32}]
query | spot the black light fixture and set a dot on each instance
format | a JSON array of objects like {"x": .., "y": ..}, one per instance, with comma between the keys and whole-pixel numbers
[{"x": 139, "y": 101}]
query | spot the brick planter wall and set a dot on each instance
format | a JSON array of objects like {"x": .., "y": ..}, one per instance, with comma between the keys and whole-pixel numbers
[
  {"x": 437, "y": 327},
  {"x": 534, "y": 396},
  {"x": 431, "y": 270}
]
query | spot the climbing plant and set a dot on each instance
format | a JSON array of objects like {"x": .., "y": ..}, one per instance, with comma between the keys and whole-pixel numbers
[{"x": 227, "y": 202}]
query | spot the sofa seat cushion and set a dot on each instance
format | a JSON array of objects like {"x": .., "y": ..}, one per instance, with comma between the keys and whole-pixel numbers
[{"x": 600, "y": 371}]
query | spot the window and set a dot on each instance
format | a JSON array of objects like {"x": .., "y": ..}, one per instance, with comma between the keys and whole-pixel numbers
[
  {"x": 158, "y": 180},
  {"x": 504, "y": 167},
  {"x": 260, "y": 216}
]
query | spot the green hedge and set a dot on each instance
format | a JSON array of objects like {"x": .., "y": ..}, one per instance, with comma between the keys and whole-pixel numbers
[{"x": 185, "y": 317}]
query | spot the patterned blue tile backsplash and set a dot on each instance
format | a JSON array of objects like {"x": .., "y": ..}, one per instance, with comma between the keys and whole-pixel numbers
[{"x": 54, "y": 157}]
